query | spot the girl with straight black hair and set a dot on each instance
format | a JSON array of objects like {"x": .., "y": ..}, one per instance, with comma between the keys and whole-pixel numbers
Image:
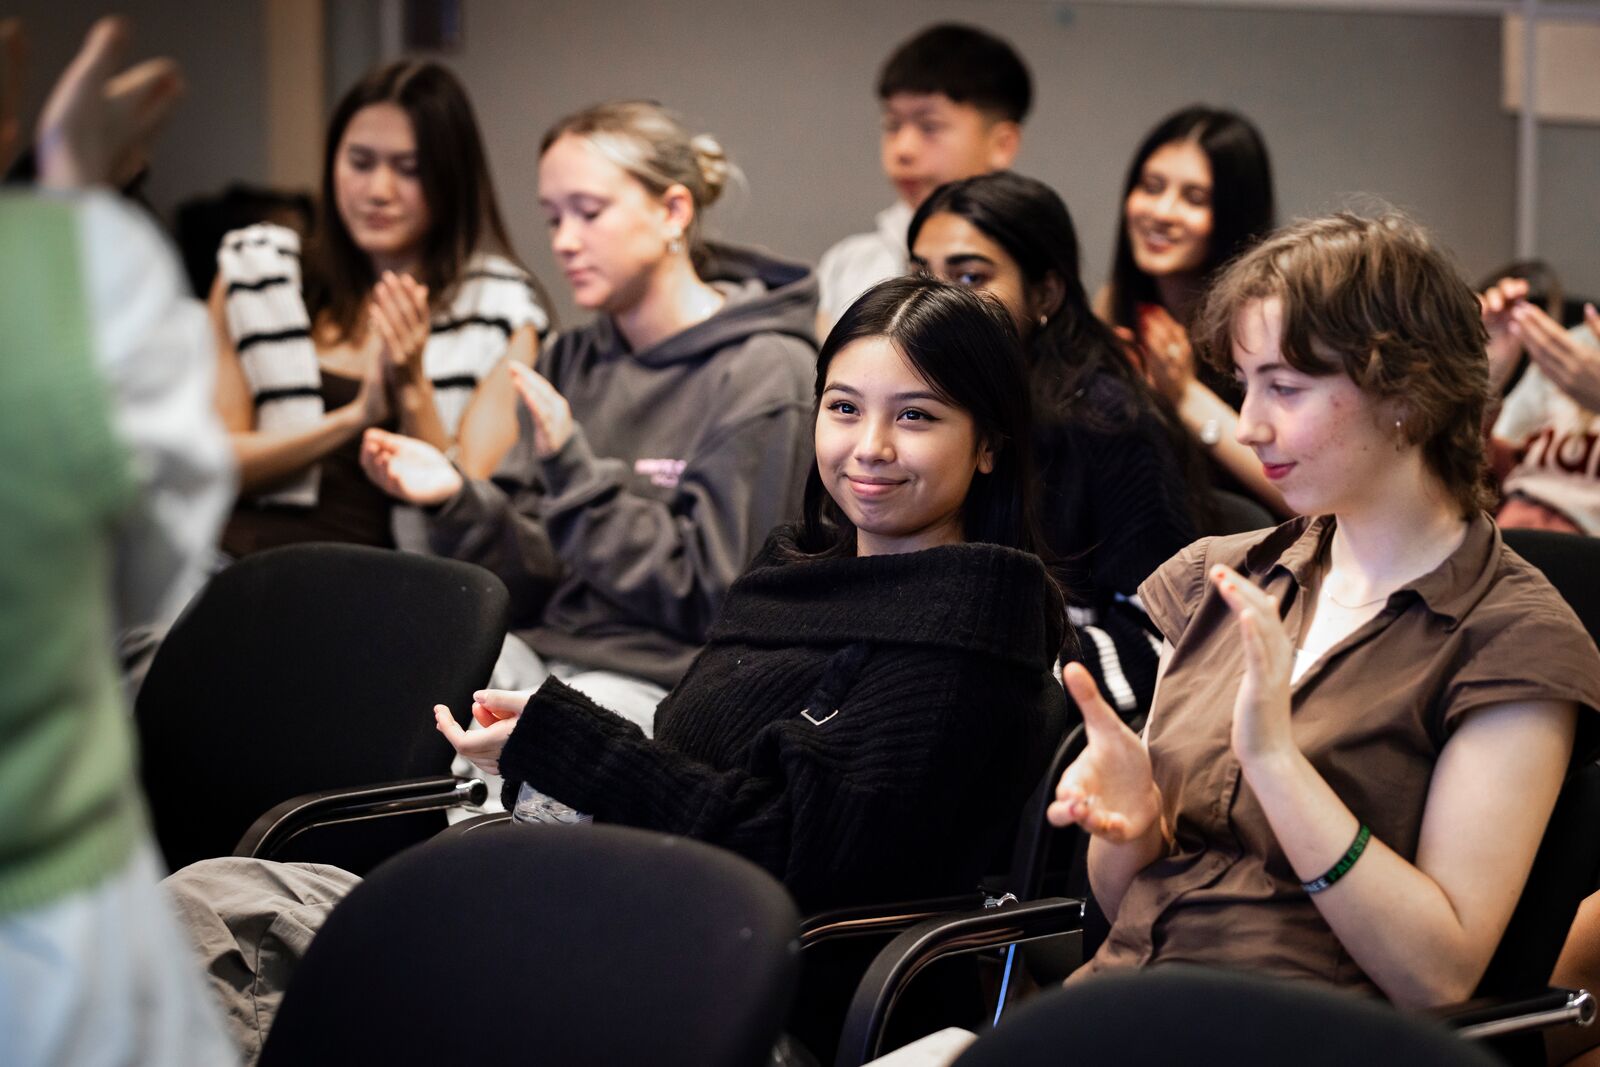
[
  {"x": 1198, "y": 193},
  {"x": 1122, "y": 486},
  {"x": 405, "y": 310}
]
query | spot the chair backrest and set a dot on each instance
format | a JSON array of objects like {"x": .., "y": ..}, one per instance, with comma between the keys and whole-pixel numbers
[
  {"x": 1234, "y": 514},
  {"x": 1571, "y": 563},
  {"x": 584, "y": 945},
  {"x": 1567, "y": 866},
  {"x": 1036, "y": 839},
  {"x": 1193, "y": 1016},
  {"x": 305, "y": 668}
]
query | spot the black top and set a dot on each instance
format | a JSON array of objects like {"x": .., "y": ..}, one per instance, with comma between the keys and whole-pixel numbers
[
  {"x": 930, "y": 713},
  {"x": 1115, "y": 503},
  {"x": 349, "y": 508}
]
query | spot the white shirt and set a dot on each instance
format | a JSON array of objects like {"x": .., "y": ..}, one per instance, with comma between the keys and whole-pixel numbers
[
  {"x": 861, "y": 261},
  {"x": 1560, "y": 442}
]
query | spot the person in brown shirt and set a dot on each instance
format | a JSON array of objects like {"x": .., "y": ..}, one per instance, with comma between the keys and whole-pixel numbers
[{"x": 1364, "y": 717}]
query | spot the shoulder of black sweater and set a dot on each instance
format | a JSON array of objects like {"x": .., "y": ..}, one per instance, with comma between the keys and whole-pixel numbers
[{"x": 968, "y": 597}]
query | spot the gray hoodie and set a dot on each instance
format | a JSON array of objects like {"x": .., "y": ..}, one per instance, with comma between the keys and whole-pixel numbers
[{"x": 619, "y": 549}]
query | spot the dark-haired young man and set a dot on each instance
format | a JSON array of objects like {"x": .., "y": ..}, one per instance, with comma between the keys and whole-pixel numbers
[{"x": 954, "y": 98}]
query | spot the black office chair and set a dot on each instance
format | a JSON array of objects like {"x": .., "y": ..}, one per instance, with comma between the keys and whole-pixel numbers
[
  {"x": 1206, "y": 1018},
  {"x": 584, "y": 945},
  {"x": 298, "y": 672},
  {"x": 1233, "y": 514}
]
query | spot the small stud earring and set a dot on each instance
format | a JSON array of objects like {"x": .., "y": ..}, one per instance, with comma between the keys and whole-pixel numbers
[
  {"x": 1044, "y": 320},
  {"x": 674, "y": 241}
]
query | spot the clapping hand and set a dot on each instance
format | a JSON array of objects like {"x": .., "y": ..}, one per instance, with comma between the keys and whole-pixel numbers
[
  {"x": 552, "y": 415},
  {"x": 1496, "y": 305},
  {"x": 1169, "y": 357},
  {"x": 1568, "y": 362},
  {"x": 97, "y": 123},
  {"x": 409, "y": 469},
  {"x": 1261, "y": 710},
  {"x": 399, "y": 316},
  {"x": 1109, "y": 789},
  {"x": 497, "y": 711}
]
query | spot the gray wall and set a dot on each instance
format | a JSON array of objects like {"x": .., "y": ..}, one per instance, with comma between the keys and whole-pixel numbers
[{"x": 1405, "y": 108}]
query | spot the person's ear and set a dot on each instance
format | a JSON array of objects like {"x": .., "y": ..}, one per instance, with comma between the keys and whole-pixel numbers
[
  {"x": 1005, "y": 141},
  {"x": 678, "y": 206},
  {"x": 985, "y": 458},
  {"x": 1044, "y": 299}
]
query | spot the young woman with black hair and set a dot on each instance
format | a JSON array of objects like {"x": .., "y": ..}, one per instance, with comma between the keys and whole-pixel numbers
[
  {"x": 406, "y": 310},
  {"x": 1122, "y": 486},
  {"x": 875, "y": 699},
  {"x": 1198, "y": 193}
]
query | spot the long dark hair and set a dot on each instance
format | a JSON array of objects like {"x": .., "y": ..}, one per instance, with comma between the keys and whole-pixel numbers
[
  {"x": 965, "y": 348},
  {"x": 1242, "y": 208},
  {"x": 464, "y": 217},
  {"x": 1027, "y": 219}
]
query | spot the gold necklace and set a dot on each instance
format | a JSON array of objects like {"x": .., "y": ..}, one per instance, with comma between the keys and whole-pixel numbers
[{"x": 1357, "y": 607}]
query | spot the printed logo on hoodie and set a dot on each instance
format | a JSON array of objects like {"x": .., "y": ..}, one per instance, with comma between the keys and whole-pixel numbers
[{"x": 662, "y": 472}]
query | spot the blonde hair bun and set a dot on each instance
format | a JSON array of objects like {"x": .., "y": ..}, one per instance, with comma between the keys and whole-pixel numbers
[{"x": 715, "y": 167}]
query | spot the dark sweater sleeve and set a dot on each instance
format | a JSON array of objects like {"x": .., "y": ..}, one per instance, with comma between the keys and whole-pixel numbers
[
  {"x": 1135, "y": 504},
  {"x": 903, "y": 791},
  {"x": 672, "y": 561},
  {"x": 495, "y": 525}
]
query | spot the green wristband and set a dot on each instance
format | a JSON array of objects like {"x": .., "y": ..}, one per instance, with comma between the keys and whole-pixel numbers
[{"x": 1340, "y": 869}]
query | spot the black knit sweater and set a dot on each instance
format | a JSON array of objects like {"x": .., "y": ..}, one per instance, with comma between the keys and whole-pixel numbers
[
  {"x": 938, "y": 665},
  {"x": 1116, "y": 504}
]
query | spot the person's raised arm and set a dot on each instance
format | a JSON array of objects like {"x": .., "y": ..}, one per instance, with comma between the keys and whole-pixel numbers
[
  {"x": 1169, "y": 362},
  {"x": 488, "y": 429},
  {"x": 671, "y": 561},
  {"x": 478, "y": 521},
  {"x": 1423, "y": 932},
  {"x": 267, "y": 457}
]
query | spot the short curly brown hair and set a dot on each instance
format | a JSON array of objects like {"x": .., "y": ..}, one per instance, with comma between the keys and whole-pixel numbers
[{"x": 1375, "y": 299}]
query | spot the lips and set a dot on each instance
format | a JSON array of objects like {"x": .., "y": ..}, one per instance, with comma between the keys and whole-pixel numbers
[
  {"x": 872, "y": 487},
  {"x": 1276, "y": 471}
]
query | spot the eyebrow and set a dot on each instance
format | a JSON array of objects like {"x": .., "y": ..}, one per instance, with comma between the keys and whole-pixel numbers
[
  {"x": 357, "y": 146},
  {"x": 841, "y": 387}
]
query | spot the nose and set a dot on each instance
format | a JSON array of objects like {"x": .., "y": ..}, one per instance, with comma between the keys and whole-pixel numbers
[
  {"x": 1166, "y": 205},
  {"x": 564, "y": 238},
  {"x": 381, "y": 185},
  {"x": 1252, "y": 428},
  {"x": 903, "y": 142},
  {"x": 875, "y": 445}
]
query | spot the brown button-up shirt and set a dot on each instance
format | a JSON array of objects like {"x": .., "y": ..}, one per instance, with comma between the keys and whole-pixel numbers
[{"x": 1372, "y": 716}]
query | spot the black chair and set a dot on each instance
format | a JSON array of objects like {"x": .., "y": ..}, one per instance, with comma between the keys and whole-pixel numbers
[
  {"x": 587, "y": 945},
  {"x": 1205, "y": 1018},
  {"x": 298, "y": 672},
  {"x": 1234, "y": 514}
]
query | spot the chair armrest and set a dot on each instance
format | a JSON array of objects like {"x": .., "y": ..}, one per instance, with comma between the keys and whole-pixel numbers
[
  {"x": 877, "y": 919},
  {"x": 1495, "y": 1016},
  {"x": 476, "y": 822},
  {"x": 904, "y": 957},
  {"x": 272, "y": 831}
]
